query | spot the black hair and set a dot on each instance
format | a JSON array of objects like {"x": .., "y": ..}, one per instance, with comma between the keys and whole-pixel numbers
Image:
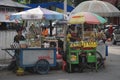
[{"x": 19, "y": 29}]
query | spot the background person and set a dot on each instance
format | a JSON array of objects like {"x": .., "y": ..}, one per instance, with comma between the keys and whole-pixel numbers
[
  {"x": 110, "y": 31},
  {"x": 44, "y": 32}
]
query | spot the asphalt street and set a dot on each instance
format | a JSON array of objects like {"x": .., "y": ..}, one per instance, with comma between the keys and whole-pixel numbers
[{"x": 110, "y": 72}]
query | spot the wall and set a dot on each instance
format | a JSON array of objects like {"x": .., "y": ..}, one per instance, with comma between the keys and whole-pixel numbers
[{"x": 6, "y": 38}]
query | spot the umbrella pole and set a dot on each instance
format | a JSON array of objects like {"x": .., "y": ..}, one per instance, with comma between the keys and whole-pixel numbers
[
  {"x": 82, "y": 31},
  {"x": 50, "y": 27}
]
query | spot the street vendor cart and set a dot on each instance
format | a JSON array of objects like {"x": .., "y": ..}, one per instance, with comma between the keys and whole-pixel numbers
[
  {"x": 38, "y": 52},
  {"x": 40, "y": 59},
  {"x": 84, "y": 53}
]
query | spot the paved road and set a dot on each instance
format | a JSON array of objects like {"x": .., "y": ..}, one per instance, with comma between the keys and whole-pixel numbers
[{"x": 111, "y": 71}]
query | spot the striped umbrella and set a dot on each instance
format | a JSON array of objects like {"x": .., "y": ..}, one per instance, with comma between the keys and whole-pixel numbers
[{"x": 86, "y": 17}]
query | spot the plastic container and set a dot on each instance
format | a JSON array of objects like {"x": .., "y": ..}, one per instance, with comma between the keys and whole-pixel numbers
[{"x": 91, "y": 59}]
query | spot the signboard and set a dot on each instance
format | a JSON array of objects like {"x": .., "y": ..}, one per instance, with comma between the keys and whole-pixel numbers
[
  {"x": 5, "y": 17},
  {"x": 5, "y": 13},
  {"x": 30, "y": 57}
]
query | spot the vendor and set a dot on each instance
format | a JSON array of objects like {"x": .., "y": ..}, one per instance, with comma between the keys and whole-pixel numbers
[
  {"x": 72, "y": 35},
  {"x": 14, "y": 64},
  {"x": 34, "y": 30},
  {"x": 19, "y": 36}
]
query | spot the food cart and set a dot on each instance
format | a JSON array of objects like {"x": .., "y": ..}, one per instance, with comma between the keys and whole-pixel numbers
[
  {"x": 39, "y": 59},
  {"x": 36, "y": 54},
  {"x": 85, "y": 53}
]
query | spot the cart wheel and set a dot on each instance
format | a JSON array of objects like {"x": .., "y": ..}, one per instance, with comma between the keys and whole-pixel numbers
[
  {"x": 42, "y": 66},
  {"x": 100, "y": 60}
]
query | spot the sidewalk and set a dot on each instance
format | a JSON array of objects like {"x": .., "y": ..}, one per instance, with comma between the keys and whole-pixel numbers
[{"x": 4, "y": 63}]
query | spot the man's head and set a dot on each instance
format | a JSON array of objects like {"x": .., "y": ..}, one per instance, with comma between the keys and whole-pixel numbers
[
  {"x": 19, "y": 32},
  {"x": 32, "y": 24}
]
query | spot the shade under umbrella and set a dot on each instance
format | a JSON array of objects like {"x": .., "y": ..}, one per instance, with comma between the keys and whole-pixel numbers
[
  {"x": 100, "y": 7},
  {"x": 86, "y": 17}
]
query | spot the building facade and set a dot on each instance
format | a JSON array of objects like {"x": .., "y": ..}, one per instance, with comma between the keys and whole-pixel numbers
[{"x": 7, "y": 27}]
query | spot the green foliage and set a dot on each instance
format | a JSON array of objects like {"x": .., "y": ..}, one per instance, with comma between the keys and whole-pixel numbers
[
  {"x": 42, "y": 1},
  {"x": 76, "y": 2},
  {"x": 118, "y": 5}
]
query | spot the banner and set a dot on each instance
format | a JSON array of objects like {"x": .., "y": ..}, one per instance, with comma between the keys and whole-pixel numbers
[{"x": 5, "y": 17}]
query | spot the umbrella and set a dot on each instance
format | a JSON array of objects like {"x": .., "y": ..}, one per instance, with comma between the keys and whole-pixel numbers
[
  {"x": 86, "y": 17},
  {"x": 37, "y": 13},
  {"x": 100, "y": 7}
]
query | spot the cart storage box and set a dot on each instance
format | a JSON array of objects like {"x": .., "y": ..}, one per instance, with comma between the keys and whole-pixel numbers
[{"x": 91, "y": 59}]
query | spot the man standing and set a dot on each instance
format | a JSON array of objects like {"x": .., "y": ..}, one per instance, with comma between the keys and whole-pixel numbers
[
  {"x": 110, "y": 31},
  {"x": 14, "y": 64}
]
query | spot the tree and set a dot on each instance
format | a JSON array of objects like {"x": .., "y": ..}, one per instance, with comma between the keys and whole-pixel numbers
[
  {"x": 42, "y": 1},
  {"x": 76, "y": 2},
  {"x": 23, "y": 1},
  {"x": 118, "y": 5}
]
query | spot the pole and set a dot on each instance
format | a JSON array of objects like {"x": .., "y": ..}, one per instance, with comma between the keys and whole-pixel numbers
[
  {"x": 82, "y": 31},
  {"x": 65, "y": 7},
  {"x": 65, "y": 13},
  {"x": 50, "y": 21}
]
